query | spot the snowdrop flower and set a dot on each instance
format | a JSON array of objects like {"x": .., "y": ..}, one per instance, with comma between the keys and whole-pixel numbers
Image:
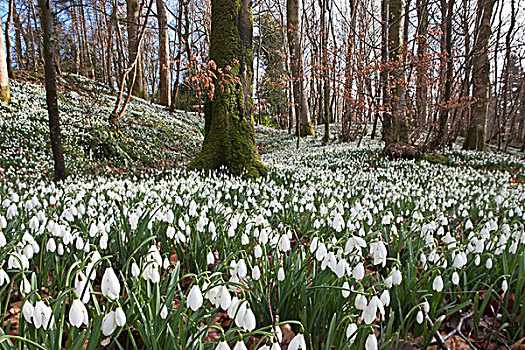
[
  {"x": 455, "y": 278},
  {"x": 360, "y": 302},
  {"x": 43, "y": 315},
  {"x": 488, "y": 264},
  {"x": 249, "y": 320},
  {"x": 437, "y": 285},
  {"x": 4, "y": 277},
  {"x": 78, "y": 314},
  {"x": 419, "y": 317},
  {"x": 385, "y": 297},
  {"x": 224, "y": 297},
  {"x": 164, "y": 312},
  {"x": 504, "y": 285},
  {"x": 110, "y": 284},
  {"x": 284, "y": 243},
  {"x": 135, "y": 270},
  {"x": 210, "y": 258},
  {"x": 222, "y": 346},
  {"x": 298, "y": 342},
  {"x": 359, "y": 271},
  {"x": 240, "y": 346},
  {"x": 351, "y": 332},
  {"x": 51, "y": 245},
  {"x": 257, "y": 251},
  {"x": 379, "y": 252},
  {"x": 108, "y": 324},
  {"x": 28, "y": 311},
  {"x": 321, "y": 252},
  {"x": 256, "y": 273},
  {"x": 280, "y": 274},
  {"x": 195, "y": 298},
  {"x": 346, "y": 290},
  {"x": 397, "y": 278},
  {"x": 120, "y": 317},
  {"x": 371, "y": 342},
  {"x": 25, "y": 286},
  {"x": 369, "y": 313}
]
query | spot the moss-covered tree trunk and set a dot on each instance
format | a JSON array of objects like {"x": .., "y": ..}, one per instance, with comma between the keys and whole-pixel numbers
[
  {"x": 229, "y": 139},
  {"x": 296, "y": 63},
  {"x": 395, "y": 132},
  {"x": 475, "y": 139},
  {"x": 4, "y": 76}
]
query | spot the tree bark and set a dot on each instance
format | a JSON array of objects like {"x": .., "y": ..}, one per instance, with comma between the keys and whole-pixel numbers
[
  {"x": 9, "y": 58},
  {"x": 133, "y": 16},
  {"x": 422, "y": 63},
  {"x": 51, "y": 88},
  {"x": 4, "y": 75},
  {"x": 229, "y": 139},
  {"x": 396, "y": 124},
  {"x": 164, "y": 53},
  {"x": 475, "y": 139},
  {"x": 296, "y": 63}
]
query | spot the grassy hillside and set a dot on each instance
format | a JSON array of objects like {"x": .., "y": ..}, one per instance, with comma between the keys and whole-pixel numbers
[{"x": 149, "y": 136}]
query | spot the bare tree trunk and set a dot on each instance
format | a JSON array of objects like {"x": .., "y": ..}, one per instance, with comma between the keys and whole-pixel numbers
[
  {"x": 325, "y": 68},
  {"x": 51, "y": 88},
  {"x": 133, "y": 13},
  {"x": 8, "y": 39},
  {"x": 422, "y": 63},
  {"x": 480, "y": 80},
  {"x": 18, "y": 39},
  {"x": 164, "y": 53},
  {"x": 296, "y": 62},
  {"x": 506, "y": 84},
  {"x": 4, "y": 75}
]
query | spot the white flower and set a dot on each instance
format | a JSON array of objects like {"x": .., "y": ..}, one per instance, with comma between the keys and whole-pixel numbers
[
  {"x": 385, "y": 297},
  {"x": 437, "y": 285},
  {"x": 195, "y": 298},
  {"x": 25, "y": 286},
  {"x": 346, "y": 290},
  {"x": 297, "y": 343},
  {"x": 164, "y": 312},
  {"x": 222, "y": 346},
  {"x": 488, "y": 264},
  {"x": 120, "y": 317},
  {"x": 249, "y": 320},
  {"x": 4, "y": 277},
  {"x": 397, "y": 278},
  {"x": 78, "y": 314},
  {"x": 43, "y": 315},
  {"x": 210, "y": 258},
  {"x": 108, "y": 324},
  {"x": 240, "y": 346},
  {"x": 51, "y": 245},
  {"x": 135, "y": 270},
  {"x": 504, "y": 285},
  {"x": 110, "y": 284},
  {"x": 379, "y": 252},
  {"x": 241, "y": 269},
  {"x": 256, "y": 273},
  {"x": 82, "y": 287},
  {"x": 280, "y": 274},
  {"x": 284, "y": 243},
  {"x": 28, "y": 311},
  {"x": 351, "y": 332},
  {"x": 419, "y": 317},
  {"x": 371, "y": 342},
  {"x": 359, "y": 271},
  {"x": 360, "y": 302},
  {"x": 224, "y": 296},
  {"x": 455, "y": 278}
]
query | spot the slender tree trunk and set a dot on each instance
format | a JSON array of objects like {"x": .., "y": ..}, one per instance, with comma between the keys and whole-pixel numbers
[
  {"x": 296, "y": 63},
  {"x": 9, "y": 56},
  {"x": 133, "y": 13},
  {"x": 422, "y": 63},
  {"x": 325, "y": 70},
  {"x": 51, "y": 88},
  {"x": 507, "y": 87},
  {"x": 229, "y": 139},
  {"x": 346, "y": 119},
  {"x": 4, "y": 75},
  {"x": 164, "y": 53},
  {"x": 20, "y": 58},
  {"x": 480, "y": 80}
]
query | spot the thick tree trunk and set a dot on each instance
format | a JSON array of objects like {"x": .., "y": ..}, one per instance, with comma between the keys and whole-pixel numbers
[
  {"x": 396, "y": 124},
  {"x": 133, "y": 16},
  {"x": 164, "y": 53},
  {"x": 480, "y": 80},
  {"x": 229, "y": 139},
  {"x": 51, "y": 88},
  {"x": 4, "y": 75},
  {"x": 296, "y": 63}
]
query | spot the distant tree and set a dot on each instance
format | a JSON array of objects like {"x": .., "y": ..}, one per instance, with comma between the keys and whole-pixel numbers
[
  {"x": 51, "y": 88},
  {"x": 164, "y": 53},
  {"x": 133, "y": 19},
  {"x": 229, "y": 139},
  {"x": 4, "y": 75},
  {"x": 475, "y": 139},
  {"x": 296, "y": 59}
]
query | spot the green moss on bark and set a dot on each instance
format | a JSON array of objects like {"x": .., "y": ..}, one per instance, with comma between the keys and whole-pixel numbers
[{"x": 307, "y": 129}]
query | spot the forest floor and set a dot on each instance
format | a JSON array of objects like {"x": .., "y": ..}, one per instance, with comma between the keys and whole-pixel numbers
[{"x": 337, "y": 247}]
